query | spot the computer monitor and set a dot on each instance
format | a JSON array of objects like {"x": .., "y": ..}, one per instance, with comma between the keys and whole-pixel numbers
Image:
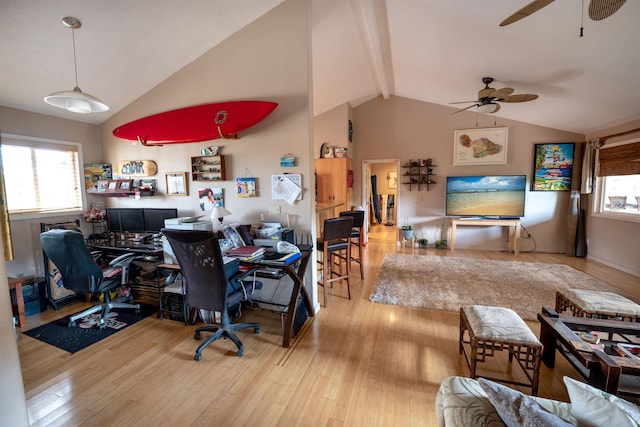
[
  {"x": 154, "y": 218},
  {"x": 125, "y": 219}
]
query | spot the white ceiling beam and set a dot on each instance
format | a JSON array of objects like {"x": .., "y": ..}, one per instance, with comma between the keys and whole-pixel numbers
[{"x": 372, "y": 23}]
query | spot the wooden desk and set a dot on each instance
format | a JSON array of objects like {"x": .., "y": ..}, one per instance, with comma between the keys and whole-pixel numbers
[
  {"x": 17, "y": 300},
  {"x": 513, "y": 244}
]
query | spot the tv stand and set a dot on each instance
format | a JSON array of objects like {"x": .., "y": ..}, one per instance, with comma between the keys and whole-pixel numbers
[{"x": 513, "y": 244}]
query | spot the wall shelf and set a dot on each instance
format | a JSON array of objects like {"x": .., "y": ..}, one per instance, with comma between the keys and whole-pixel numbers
[
  {"x": 207, "y": 168},
  {"x": 418, "y": 173}
]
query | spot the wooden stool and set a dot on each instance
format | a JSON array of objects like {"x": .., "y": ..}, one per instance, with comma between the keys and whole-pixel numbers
[
  {"x": 493, "y": 329},
  {"x": 597, "y": 304}
]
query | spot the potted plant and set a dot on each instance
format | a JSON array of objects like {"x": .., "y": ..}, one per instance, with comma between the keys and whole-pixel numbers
[
  {"x": 441, "y": 244},
  {"x": 407, "y": 232},
  {"x": 423, "y": 243}
]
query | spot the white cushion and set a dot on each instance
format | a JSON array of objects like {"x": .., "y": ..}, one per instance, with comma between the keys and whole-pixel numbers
[
  {"x": 517, "y": 409},
  {"x": 593, "y": 407}
]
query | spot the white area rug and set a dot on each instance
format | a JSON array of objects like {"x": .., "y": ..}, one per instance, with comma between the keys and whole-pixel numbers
[{"x": 446, "y": 283}]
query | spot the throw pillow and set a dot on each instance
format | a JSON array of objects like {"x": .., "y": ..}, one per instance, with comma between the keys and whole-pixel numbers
[
  {"x": 517, "y": 409},
  {"x": 593, "y": 407}
]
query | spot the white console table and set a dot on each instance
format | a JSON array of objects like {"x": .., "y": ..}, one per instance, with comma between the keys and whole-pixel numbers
[{"x": 513, "y": 244}]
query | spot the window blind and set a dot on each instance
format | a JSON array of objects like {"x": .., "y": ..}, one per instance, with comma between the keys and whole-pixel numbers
[
  {"x": 41, "y": 176},
  {"x": 619, "y": 160}
]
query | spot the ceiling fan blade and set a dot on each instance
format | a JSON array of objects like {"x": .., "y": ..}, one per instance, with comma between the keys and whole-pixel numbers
[
  {"x": 520, "y": 97},
  {"x": 464, "y": 102},
  {"x": 497, "y": 108},
  {"x": 465, "y": 108},
  {"x": 532, "y": 7},
  {"x": 600, "y": 9},
  {"x": 487, "y": 92},
  {"x": 502, "y": 93}
]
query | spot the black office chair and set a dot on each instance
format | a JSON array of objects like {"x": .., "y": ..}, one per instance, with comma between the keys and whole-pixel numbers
[
  {"x": 336, "y": 233},
  {"x": 356, "y": 236},
  {"x": 206, "y": 284},
  {"x": 81, "y": 274}
]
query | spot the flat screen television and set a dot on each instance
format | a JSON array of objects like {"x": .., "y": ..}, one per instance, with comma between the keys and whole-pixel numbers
[
  {"x": 154, "y": 218},
  {"x": 487, "y": 196}
]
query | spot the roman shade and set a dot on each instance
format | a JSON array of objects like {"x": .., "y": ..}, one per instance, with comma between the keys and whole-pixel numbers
[{"x": 619, "y": 160}]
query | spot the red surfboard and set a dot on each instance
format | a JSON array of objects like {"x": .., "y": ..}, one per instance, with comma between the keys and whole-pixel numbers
[{"x": 197, "y": 123}]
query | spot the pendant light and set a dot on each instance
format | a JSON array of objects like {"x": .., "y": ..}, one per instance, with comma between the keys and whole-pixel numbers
[{"x": 75, "y": 100}]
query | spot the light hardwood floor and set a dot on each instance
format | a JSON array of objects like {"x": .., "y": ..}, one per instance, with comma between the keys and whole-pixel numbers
[{"x": 355, "y": 363}]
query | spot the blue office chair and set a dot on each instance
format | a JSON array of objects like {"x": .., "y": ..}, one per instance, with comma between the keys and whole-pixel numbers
[
  {"x": 81, "y": 274},
  {"x": 207, "y": 286}
]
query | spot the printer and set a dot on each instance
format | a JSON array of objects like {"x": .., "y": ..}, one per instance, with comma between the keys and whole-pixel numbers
[{"x": 183, "y": 223}]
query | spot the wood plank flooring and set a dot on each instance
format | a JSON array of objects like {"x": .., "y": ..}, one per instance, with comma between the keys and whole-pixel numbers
[{"x": 356, "y": 363}]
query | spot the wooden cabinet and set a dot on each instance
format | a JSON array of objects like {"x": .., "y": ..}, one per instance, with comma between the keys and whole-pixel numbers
[
  {"x": 207, "y": 168},
  {"x": 332, "y": 181}
]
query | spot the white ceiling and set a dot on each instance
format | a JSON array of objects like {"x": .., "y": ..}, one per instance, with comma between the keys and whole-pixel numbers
[{"x": 430, "y": 50}]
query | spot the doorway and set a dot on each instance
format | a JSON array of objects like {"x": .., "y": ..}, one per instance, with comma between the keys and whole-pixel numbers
[{"x": 381, "y": 199}]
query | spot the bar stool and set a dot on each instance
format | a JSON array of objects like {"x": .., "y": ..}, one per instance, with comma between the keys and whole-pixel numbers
[
  {"x": 356, "y": 236},
  {"x": 335, "y": 240}
]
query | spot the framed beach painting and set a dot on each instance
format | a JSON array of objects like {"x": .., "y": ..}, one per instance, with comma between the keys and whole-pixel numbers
[
  {"x": 552, "y": 167},
  {"x": 482, "y": 146}
]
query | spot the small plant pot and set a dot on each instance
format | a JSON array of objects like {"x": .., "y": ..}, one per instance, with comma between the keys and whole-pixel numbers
[
  {"x": 423, "y": 243},
  {"x": 407, "y": 234}
]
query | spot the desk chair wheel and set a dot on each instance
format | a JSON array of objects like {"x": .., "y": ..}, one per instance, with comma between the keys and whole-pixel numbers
[
  {"x": 72, "y": 324},
  {"x": 196, "y": 336},
  {"x": 197, "y": 357},
  {"x": 240, "y": 352},
  {"x": 256, "y": 330}
]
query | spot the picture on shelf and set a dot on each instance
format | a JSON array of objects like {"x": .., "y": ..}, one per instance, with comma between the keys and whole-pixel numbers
[
  {"x": 125, "y": 184},
  {"x": 112, "y": 185},
  {"x": 94, "y": 173}
]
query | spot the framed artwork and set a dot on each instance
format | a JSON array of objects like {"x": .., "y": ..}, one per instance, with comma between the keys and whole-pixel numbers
[
  {"x": 112, "y": 185},
  {"x": 552, "y": 167},
  {"x": 393, "y": 179},
  {"x": 125, "y": 184},
  {"x": 177, "y": 184},
  {"x": 246, "y": 187},
  {"x": 102, "y": 185},
  {"x": 95, "y": 172},
  {"x": 482, "y": 146}
]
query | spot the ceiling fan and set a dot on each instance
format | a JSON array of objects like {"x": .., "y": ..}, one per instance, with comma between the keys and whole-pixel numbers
[
  {"x": 598, "y": 10},
  {"x": 489, "y": 97}
]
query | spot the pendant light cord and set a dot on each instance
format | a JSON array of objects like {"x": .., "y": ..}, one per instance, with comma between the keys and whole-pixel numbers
[{"x": 75, "y": 64}]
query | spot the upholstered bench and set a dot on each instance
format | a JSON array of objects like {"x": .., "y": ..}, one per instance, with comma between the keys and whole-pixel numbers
[
  {"x": 493, "y": 329},
  {"x": 597, "y": 304}
]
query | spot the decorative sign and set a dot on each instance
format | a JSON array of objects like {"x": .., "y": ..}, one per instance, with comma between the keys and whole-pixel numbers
[
  {"x": 480, "y": 146},
  {"x": 136, "y": 168}
]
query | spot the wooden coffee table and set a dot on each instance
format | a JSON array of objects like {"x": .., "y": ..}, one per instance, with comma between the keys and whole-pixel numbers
[{"x": 600, "y": 369}]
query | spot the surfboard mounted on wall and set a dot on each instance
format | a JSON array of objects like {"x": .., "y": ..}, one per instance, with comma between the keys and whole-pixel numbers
[{"x": 197, "y": 123}]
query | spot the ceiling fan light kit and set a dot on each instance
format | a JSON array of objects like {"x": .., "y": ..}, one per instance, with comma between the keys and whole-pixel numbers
[{"x": 75, "y": 100}]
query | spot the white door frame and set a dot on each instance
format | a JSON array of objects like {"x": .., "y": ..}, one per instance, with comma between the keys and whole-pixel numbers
[{"x": 366, "y": 182}]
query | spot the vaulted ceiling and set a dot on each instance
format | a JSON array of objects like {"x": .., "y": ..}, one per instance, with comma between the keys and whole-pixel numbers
[{"x": 435, "y": 51}]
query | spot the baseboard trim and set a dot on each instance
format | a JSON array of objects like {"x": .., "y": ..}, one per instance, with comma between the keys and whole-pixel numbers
[{"x": 611, "y": 264}]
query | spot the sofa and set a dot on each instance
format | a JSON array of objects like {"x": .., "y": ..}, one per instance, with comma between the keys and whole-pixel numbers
[{"x": 466, "y": 402}]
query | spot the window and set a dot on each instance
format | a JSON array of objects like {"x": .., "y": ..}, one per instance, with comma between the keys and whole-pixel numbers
[
  {"x": 41, "y": 175},
  {"x": 618, "y": 184}
]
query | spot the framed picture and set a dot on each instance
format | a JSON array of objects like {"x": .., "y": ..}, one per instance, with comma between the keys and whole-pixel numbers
[
  {"x": 177, "y": 184},
  {"x": 246, "y": 187},
  {"x": 486, "y": 146},
  {"x": 102, "y": 185},
  {"x": 552, "y": 167},
  {"x": 393, "y": 179},
  {"x": 112, "y": 185},
  {"x": 125, "y": 184}
]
